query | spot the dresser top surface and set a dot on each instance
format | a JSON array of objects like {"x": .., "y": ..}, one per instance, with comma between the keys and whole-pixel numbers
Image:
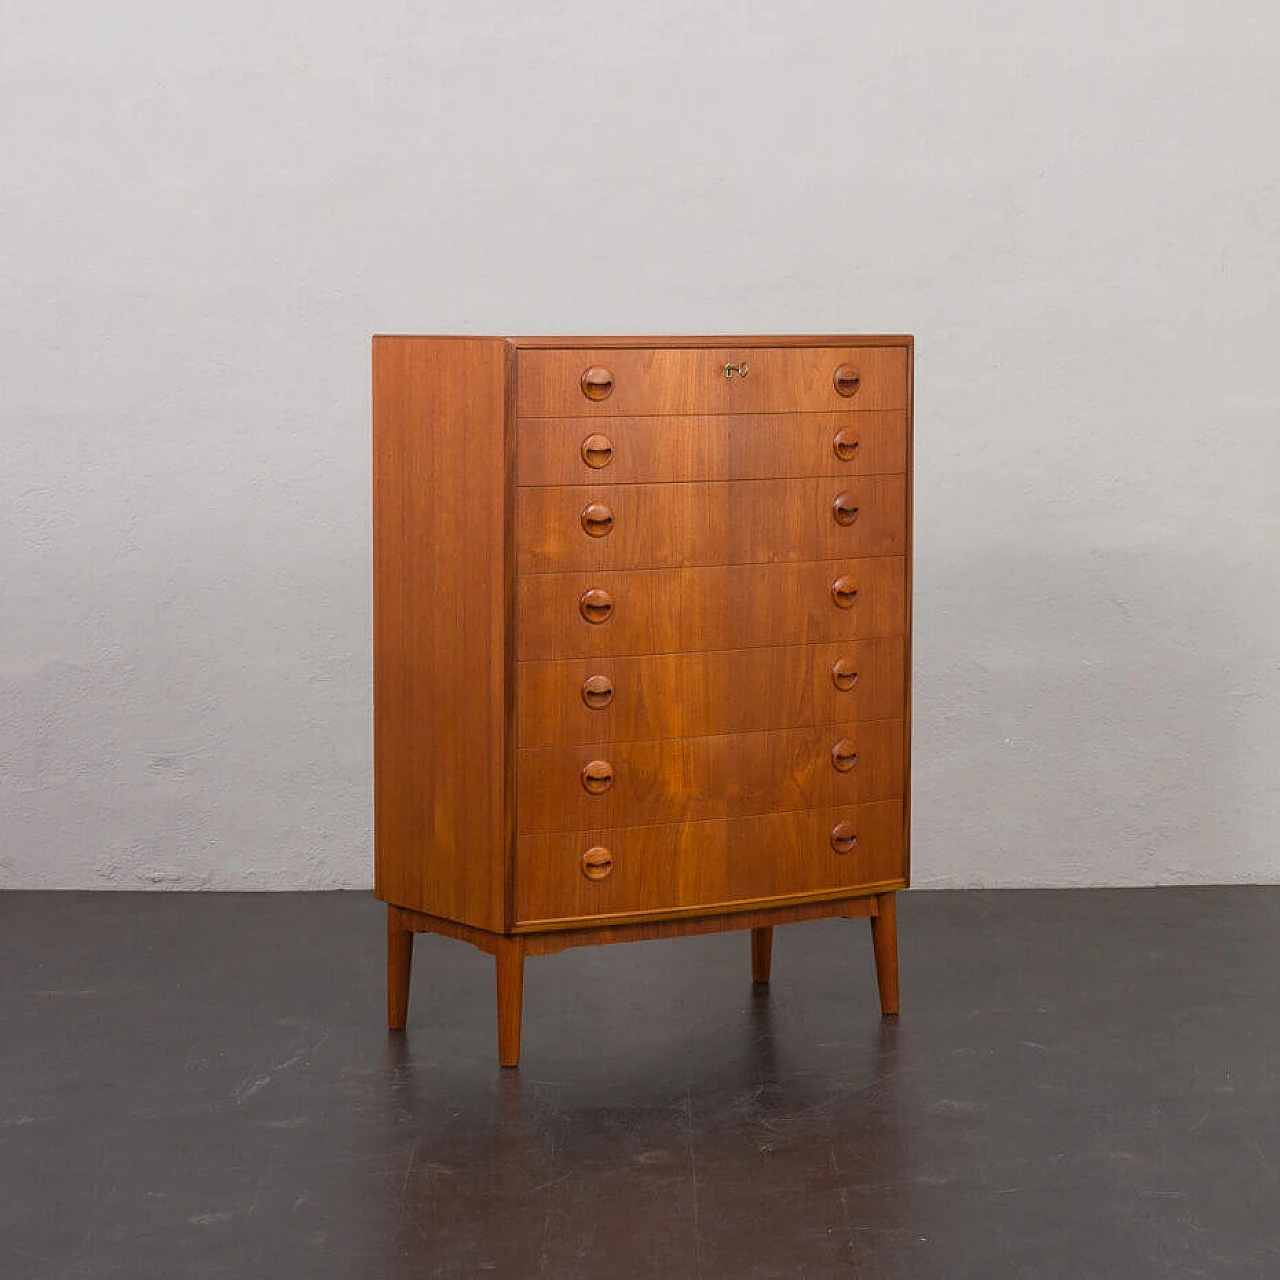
[{"x": 677, "y": 340}]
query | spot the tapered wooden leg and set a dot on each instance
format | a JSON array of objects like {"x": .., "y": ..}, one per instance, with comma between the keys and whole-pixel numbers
[
  {"x": 761, "y": 953},
  {"x": 399, "y": 968},
  {"x": 884, "y": 939},
  {"x": 509, "y": 962}
]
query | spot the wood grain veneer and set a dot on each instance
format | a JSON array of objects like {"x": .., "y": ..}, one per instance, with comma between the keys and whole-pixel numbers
[
  {"x": 641, "y": 642},
  {"x": 693, "y": 695},
  {"x": 440, "y": 746},
  {"x": 692, "y": 380},
  {"x": 684, "y": 610},
  {"x": 727, "y": 776},
  {"x": 701, "y": 864},
  {"x": 659, "y": 526},
  {"x": 716, "y": 447}
]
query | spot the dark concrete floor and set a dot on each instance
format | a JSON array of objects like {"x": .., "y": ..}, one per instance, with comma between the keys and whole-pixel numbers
[{"x": 1082, "y": 1084}]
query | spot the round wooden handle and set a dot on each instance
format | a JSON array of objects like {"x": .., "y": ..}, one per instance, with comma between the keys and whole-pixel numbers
[
  {"x": 597, "y": 862},
  {"x": 596, "y": 605},
  {"x": 846, "y": 378},
  {"x": 844, "y": 509},
  {"x": 597, "y": 692},
  {"x": 845, "y": 443},
  {"x": 843, "y": 591},
  {"x": 597, "y": 383},
  {"x": 844, "y": 838},
  {"x": 597, "y": 519},
  {"x": 844, "y": 675},
  {"x": 597, "y": 776},
  {"x": 597, "y": 451},
  {"x": 844, "y": 756}
]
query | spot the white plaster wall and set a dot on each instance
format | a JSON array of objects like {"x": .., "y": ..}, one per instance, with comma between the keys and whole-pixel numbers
[{"x": 205, "y": 211}]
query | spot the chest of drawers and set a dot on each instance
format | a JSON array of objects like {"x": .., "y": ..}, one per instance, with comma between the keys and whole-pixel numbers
[{"x": 641, "y": 642}]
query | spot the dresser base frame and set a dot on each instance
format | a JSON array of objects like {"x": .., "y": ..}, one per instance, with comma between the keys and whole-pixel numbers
[{"x": 510, "y": 949}]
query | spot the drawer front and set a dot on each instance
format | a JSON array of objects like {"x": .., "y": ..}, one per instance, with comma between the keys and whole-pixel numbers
[
  {"x": 726, "y": 447},
  {"x": 607, "y": 382},
  {"x": 690, "y": 695},
  {"x": 694, "y": 610},
  {"x": 627, "y": 784},
  {"x": 710, "y": 865},
  {"x": 641, "y": 526}
]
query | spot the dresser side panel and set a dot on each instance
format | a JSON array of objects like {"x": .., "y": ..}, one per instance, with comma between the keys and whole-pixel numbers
[
  {"x": 910, "y": 609},
  {"x": 441, "y": 607}
]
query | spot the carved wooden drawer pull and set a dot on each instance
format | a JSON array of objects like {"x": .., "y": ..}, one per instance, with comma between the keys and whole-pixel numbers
[
  {"x": 596, "y": 605},
  {"x": 844, "y": 592},
  {"x": 844, "y": 838},
  {"x": 845, "y": 443},
  {"x": 844, "y": 675},
  {"x": 597, "y": 519},
  {"x": 847, "y": 380},
  {"x": 597, "y": 383},
  {"x": 844, "y": 509},
  {"x": 843, "y": 755},
  {"x": 597, "y": 451},
  {"x": 597, "y": 692},
  {"x": 597, "y": 862},
  {"x": 597, "y": 776}
]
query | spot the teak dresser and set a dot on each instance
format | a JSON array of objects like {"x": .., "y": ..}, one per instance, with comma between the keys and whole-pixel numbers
[{"x": 642, "y": 642}]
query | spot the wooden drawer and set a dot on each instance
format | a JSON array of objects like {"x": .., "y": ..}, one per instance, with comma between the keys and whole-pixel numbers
[
  {"x": 642, "y": 526},
  {"x": 717, "y": 864},
  {"x": 640, "y": 380},
  {"x": 627, "y": 784},
  {"x": 690, "y": 695},
  {"x": 744, "y": 446},
  {"x": 694, "y": 610}
]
